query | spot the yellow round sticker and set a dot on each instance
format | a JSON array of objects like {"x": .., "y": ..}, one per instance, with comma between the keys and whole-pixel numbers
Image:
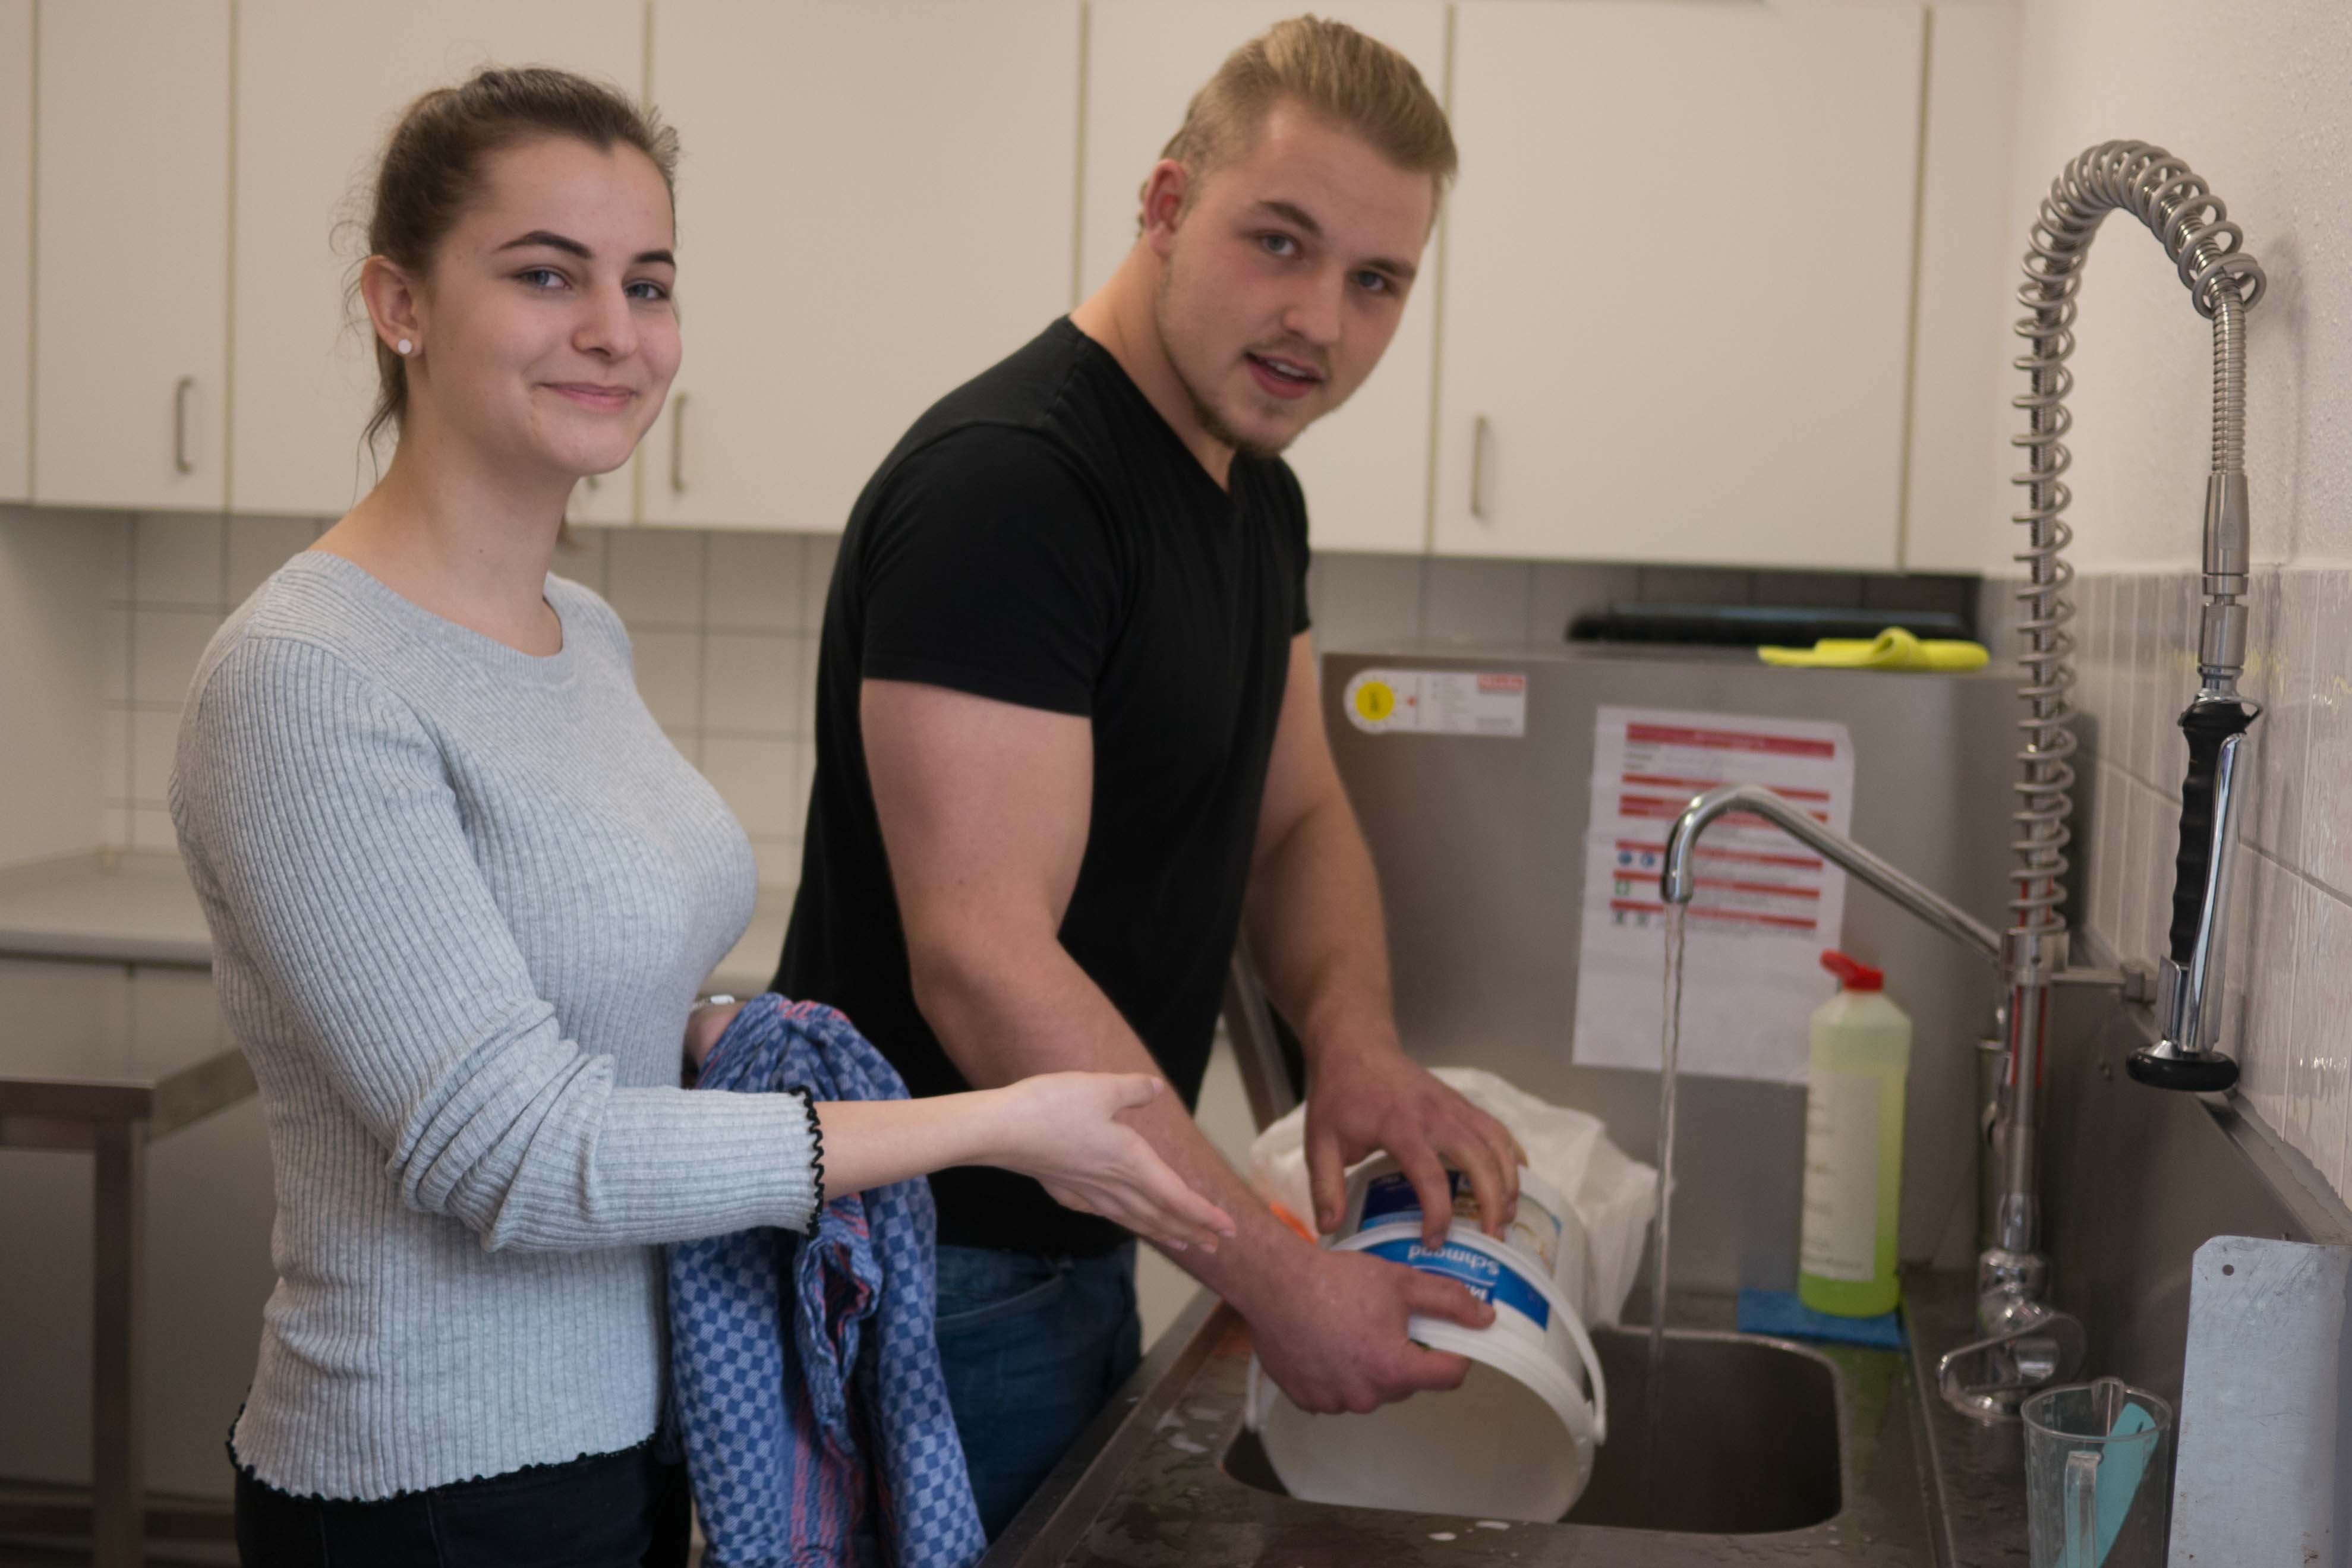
[{"x": 1375, "y": 700}]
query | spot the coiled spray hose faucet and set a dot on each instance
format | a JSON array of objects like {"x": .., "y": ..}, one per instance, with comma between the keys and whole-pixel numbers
[
  {"x": 2223, "y": 282},
  {"x": 2027, "y": 1342}
]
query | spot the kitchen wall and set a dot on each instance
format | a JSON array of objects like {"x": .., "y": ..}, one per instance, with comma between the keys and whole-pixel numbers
[
  {"x": 2289, "y": 986},
  {"x": 53, "y": 572},
  {"x": 2253, "y": 98},
  {"x": 724, "y": 626}
]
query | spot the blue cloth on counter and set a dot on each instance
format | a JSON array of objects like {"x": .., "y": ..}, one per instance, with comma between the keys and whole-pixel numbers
[
  {"x": 805, "y": 1370},
  {"x": 1781, "y": 1313}
]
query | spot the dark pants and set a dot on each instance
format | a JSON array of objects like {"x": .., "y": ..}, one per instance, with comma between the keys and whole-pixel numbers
[
  {"x": 608, "y": 1510},
  {"x": 1034, "y": 1348}
]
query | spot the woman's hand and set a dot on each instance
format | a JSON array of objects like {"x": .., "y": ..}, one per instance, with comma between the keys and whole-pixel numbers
[{"x": 1065, "y": 1129}]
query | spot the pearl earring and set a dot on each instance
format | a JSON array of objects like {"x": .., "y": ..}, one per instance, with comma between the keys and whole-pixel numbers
[{"x": 404, "y": 346}]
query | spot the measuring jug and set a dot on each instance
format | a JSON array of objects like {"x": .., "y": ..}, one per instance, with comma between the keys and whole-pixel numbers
[{"x": 2098, "y": 1476}]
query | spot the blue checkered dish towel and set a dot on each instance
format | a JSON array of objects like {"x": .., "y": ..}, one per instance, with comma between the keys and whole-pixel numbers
[{"x": 804, "y": 1370}]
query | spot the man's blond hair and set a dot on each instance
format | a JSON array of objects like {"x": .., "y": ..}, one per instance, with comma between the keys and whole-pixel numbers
[{"x": 1355, "y": 83}]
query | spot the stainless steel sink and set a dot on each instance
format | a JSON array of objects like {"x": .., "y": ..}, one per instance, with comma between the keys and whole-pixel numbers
[
  {"x": 1780, "y": 1454},
  {"x": 1747, "y": 1444},
  {"x": 1747, "y": 1438}
]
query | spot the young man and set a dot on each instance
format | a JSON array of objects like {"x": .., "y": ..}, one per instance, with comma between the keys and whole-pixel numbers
[{"x": 1068, "y": 741}]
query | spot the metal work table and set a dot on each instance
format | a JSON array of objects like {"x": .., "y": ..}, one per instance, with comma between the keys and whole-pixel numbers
[
  {"x": 111, "y": 1097},
  {"x": 1150, "y": 1482},
  {"x": 139, "y": 907}
]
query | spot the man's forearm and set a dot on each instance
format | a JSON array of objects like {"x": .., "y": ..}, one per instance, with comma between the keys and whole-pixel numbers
[
  {"x": 1007, "y": 1006},
  {"x": 1315, "y": 930}
]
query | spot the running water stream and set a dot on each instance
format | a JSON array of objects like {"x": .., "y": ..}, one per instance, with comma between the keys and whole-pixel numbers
[{"x": 1670, "y": 1040}]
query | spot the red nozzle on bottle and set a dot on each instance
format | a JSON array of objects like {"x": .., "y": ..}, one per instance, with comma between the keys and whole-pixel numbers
[{"x": 1853, "y": 976}]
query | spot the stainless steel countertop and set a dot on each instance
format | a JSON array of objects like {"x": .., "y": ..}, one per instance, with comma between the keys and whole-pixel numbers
[
  {"x": 1145, "y": 1484},
  {"x": 129, "y": 907},
  {"x": 1976, "y": 1471},
  {"x": 139, "y": 907}
]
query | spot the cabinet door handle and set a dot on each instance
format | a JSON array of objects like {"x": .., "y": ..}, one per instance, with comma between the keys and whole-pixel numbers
[
  {"x": 1478, "y": 467},
  {"x": 181, "y": 462},
  {"x": 678, "y": 444}
]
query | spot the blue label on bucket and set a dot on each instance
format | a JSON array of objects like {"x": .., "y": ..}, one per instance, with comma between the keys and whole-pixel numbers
[
  {"x": 1392, "y": 1197},
  {"x": 1487, "y": 1278}
]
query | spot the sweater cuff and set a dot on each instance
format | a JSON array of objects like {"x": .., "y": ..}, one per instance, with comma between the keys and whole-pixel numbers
[
  {"x": 709, "y": 1163},
  {"x": 816, "y": 1151}
]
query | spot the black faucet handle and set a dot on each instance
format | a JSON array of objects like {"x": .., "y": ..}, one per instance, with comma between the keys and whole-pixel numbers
[
  {"x": 2208, "y": 725},
  {"x": 2177, "y": 1061},
  {"x": 2208, "y": 1072}
]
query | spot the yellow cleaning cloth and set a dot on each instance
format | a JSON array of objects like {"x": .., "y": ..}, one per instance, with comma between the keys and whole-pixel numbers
[{"x": 1893, "y": 649}]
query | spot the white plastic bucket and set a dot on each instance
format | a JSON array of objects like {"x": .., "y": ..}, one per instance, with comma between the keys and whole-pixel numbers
[
  {"x": 1544, "y": 1227},
  {"x": 1515, "y": 1440}
]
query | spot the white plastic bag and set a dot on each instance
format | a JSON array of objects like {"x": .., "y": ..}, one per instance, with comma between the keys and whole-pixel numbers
[{"x": 1614, "y": 1196}]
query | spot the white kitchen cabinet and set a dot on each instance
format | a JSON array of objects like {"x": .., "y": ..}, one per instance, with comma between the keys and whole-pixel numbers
[
  {"x": 876, "y": 204},
  {"x": 320, "y": 85},
  {"x": 1366, "y": 468},
  {"x": 1676, "y": 282},
  {"x": 131, "y": 320},
  {"x": 1957, "y": 502},
  {"x": 15, "y": 249}
]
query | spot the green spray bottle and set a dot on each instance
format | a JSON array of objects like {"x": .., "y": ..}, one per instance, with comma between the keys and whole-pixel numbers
[{"x": 1853, "y": 1146}]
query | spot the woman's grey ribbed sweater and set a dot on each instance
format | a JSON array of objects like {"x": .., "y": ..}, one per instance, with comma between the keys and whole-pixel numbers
[{"x": 461, "y": 899}]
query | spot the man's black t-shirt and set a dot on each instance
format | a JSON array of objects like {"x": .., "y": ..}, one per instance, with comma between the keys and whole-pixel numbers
[{"x": 1041, "y": 536}]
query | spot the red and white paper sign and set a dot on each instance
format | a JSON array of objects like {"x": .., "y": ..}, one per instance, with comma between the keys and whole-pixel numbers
[{"x": 1765, "y": 907}]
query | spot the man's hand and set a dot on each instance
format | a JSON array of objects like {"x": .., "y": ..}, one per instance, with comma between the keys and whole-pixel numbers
[
  {"x": 1334, "y": 1339},
  {"x": 704, "y": 1025},
  {"x": 1370, "y": 1098}
]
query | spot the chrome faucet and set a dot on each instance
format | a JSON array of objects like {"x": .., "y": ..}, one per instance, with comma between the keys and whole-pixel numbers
[{"x": 2026, "y": 1342}]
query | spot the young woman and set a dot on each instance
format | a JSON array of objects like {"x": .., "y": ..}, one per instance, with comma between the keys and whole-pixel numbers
[{"x": 462, "y": 893}]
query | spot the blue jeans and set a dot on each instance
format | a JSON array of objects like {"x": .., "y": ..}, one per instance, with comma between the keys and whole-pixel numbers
[{"x": 1033, "y": 1348}]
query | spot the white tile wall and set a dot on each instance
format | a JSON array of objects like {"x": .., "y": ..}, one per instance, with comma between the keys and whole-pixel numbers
[
  {"x": 754, "y": 583},
  {"x": 2289, "y": 987},
  {"x": 723, "y": 626},
  {"x": 170, "y": 581},
  {"x": 654, "y": 577},
  {"x": 178, "y": 558}
]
